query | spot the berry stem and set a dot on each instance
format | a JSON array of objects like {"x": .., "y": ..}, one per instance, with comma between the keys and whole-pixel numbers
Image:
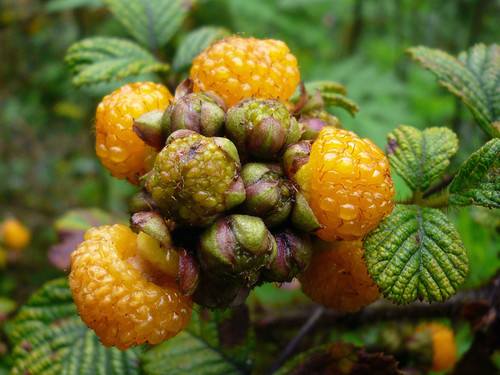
[
  {"x": 436, "y": 201},
  {"x": 304, "y": 330},
  {"x": 440, "y": 201}
]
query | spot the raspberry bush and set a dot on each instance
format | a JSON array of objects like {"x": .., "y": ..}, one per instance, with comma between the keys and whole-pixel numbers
[{"x": 246, "y": 179}]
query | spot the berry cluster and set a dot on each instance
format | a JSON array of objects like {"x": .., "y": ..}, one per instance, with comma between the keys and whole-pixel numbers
[{"x": 241, "y": 181}]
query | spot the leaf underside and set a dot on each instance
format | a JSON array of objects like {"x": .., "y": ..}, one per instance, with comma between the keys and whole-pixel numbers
[
  {"x": 416, "y": 253},
  {"x": 474, "y": 77},
  {"x": 420, "y": 157},
  {"x": 478, "y": 180}
]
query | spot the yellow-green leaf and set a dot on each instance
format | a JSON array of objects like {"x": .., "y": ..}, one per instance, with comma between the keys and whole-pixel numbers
[
  {"x": 420, "y": 157},
  {"x": 474, "y": 77},
  {"x": 478, "y": 180},
  {"x": 98, "y": 59},
  {"x": 416, "y": 253}
]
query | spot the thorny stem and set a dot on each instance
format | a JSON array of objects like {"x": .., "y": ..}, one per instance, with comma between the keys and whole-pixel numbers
[
  {"x": 440, "y": 185},
  {"x": 380, "y": 311},
  {"x": 304, "y": 330},
  {"x": 439, "y": 201}
]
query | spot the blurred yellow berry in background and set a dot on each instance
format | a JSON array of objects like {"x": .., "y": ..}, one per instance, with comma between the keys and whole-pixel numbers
[
  {"x": 14, "y": 235},
  {"x": 444, "y": 348}
]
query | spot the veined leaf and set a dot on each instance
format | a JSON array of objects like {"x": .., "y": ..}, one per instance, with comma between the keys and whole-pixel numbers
[
  {"x": 419, "y": 157},
  {"x": 474, "y": 77},
  {"x": 478, "y": 180},
  {"x": 151, "y": 22},
  {"x": 49, "y": 338},
  {"x": 416, "y": 253},
  {"x": 213, "y": 343},
  {"x": 338, "y": 100},
  {"x": 194, "y": 43},
  {"x": 99, "y": 59}
]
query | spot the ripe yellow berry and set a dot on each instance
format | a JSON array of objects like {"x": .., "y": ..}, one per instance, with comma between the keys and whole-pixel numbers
[
  {"x": 119, "y": 148},
  {"x": 337, "y": 277},
  {"x": 124, "y": 297},
  {"x": 444, "y": 348},
  {"x": 14, "y": 235},
  {"x": 237, "y": 68},
  {"x": 348, "y": 184}
]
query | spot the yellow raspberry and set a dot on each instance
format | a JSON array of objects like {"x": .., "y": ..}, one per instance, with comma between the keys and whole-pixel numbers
[
  {"x": 14, "y": 235},
  {"x": 444, "y": 348},
  {"x": 237, "y": 68},
  {"x": 119, "y": 148},
  {"x": 337, "y": 277},
  {"x": 125, "y": 298},
  {"x": 348, "y": 184}
]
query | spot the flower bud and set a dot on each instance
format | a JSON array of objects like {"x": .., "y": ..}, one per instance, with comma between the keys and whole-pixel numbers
[
  {"x": 141, "y": 201},
  {"x": 148, "y": 128},
  {"x": 153, "y": 224},
  {"x": 261, "y": 127},
  {"x": 189, "y": 272},
  {"x": 237, "y": 246},
  {"x": 302, "y": 216},
  {"x": 220, "y": 293},
  {"x": 269, "y": 194},
  {"x": 294, "y": 254},
  {"x": 200, "y": 112},
  {"x": 295, "y": 157},
  {"x": 312, "y": 122}
]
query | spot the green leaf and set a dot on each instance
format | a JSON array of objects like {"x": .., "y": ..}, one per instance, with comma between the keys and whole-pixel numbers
[
  {"x": 49, "y": 338},
  {"x": 98, "y": 59},
  {"x": 332, "y": 99},
  {"x": 213, "y": 343},
  {"x": 478, "y": 180},
  {"x": 60, "y": 5},
  {"x": 474, "y": 77},
  {"x": 416, "y": 253},
  {"x": 194, "y": 43},
  {"x": 153, "y": 22},
  {"x": 420, "y": 157},
  {"x": 326, "y": 87}
]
